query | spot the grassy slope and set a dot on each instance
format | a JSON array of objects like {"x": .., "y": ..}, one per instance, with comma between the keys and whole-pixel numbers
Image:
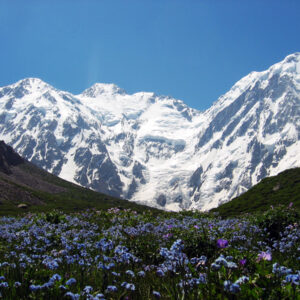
[
  {"x": 74, "y": 198},
  {"x": 281, "y": 189}
]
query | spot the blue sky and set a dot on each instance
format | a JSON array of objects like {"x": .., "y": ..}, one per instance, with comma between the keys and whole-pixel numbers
[{"x": 191, "y": 50}]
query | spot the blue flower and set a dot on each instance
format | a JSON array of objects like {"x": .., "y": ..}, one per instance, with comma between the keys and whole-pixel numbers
[
  {"x": 177, "y": 246},
  {"x": 55, "y": 277},
  {"x": 71, "y": 281},
  {"x": 48, "y": 284},
  {"x": 227, "y": 284},
  {"x": 88, "y": 289},
  {"x": 230, "y": 287},
  {"x": 202, "y": 278},
  {"x": 141, "y": 273},
  {"x": 130, "y": 286},
  {"x": 156, "y": 294},
  {"x": 235, "y": 288},
  {"x": 160, "y": 273},
  {"x": 81, "y": 262},
  {"x": 280, "y": 270},
  {"x": 242, "y": 279},
  {"x": 111, "y": 288},
  {"x": 215, "y": 267},
  {"x": 52, "y": 264},
  {"x": 100, "y": 296},
  {"x": 231, "y": 265},
  {"x": 34, "y": 287},
  {"x": 293, "y": 278},
  {"x": 221, "y": 261},
  {"x": 4, "y": 284},
  {"x": 73, "y": 296},
  {"x": 130, "y": 273}
]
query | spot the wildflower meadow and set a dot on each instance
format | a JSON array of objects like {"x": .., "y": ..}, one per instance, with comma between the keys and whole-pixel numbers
[{"x": 123, "y": 254}]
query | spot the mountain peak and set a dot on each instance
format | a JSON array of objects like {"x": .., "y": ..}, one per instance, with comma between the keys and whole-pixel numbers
[
  {"x": 31, "y": 84},
  {"x": 31, "y": 81},
  {"x": 289, "y": 65},
  {"x": 102, "y": 88},
  {"x": 293, "y": 57}
]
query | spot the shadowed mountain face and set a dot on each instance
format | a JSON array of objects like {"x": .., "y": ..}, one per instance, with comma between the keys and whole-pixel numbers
[
  {"x": 156, "y": 150},
  {"x": 8, "y": 158},
  {"x": 16, "y": 180},
  {"x": 23, "y": 185}
]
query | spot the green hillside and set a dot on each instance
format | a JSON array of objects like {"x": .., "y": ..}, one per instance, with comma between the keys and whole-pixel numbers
[
  {"x": 272, "y": 191},
  {"x": 42, "y": 191}
]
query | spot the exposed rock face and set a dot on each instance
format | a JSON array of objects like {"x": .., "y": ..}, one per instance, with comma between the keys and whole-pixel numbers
[{"x": 154, "y": 149}]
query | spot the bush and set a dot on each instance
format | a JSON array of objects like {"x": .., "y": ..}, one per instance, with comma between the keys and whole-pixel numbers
[{"x": 275, "y": 220}]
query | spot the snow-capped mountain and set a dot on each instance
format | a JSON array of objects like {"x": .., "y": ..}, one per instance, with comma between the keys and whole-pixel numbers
[{"x": 154, "y": 149}]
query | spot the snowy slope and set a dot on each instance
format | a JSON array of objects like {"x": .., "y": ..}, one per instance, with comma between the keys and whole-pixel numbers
[{"x": 154, "y": 149}]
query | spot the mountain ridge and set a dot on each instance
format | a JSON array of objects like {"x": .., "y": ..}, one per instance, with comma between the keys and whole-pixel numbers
[{"x": 156, "y": 150}]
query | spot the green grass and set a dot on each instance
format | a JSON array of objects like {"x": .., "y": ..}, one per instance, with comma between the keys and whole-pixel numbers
[{"x": 272, "y": 191}]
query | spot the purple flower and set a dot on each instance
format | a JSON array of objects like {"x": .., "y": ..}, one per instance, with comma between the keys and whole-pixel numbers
[
  {"x": 166, "y": 236},
  {"x": 222, "y": 243},
  {"x": 291, "y": 204},
  {"x": 264, "y": 256},
  {"x": 243, "y": 261}
]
